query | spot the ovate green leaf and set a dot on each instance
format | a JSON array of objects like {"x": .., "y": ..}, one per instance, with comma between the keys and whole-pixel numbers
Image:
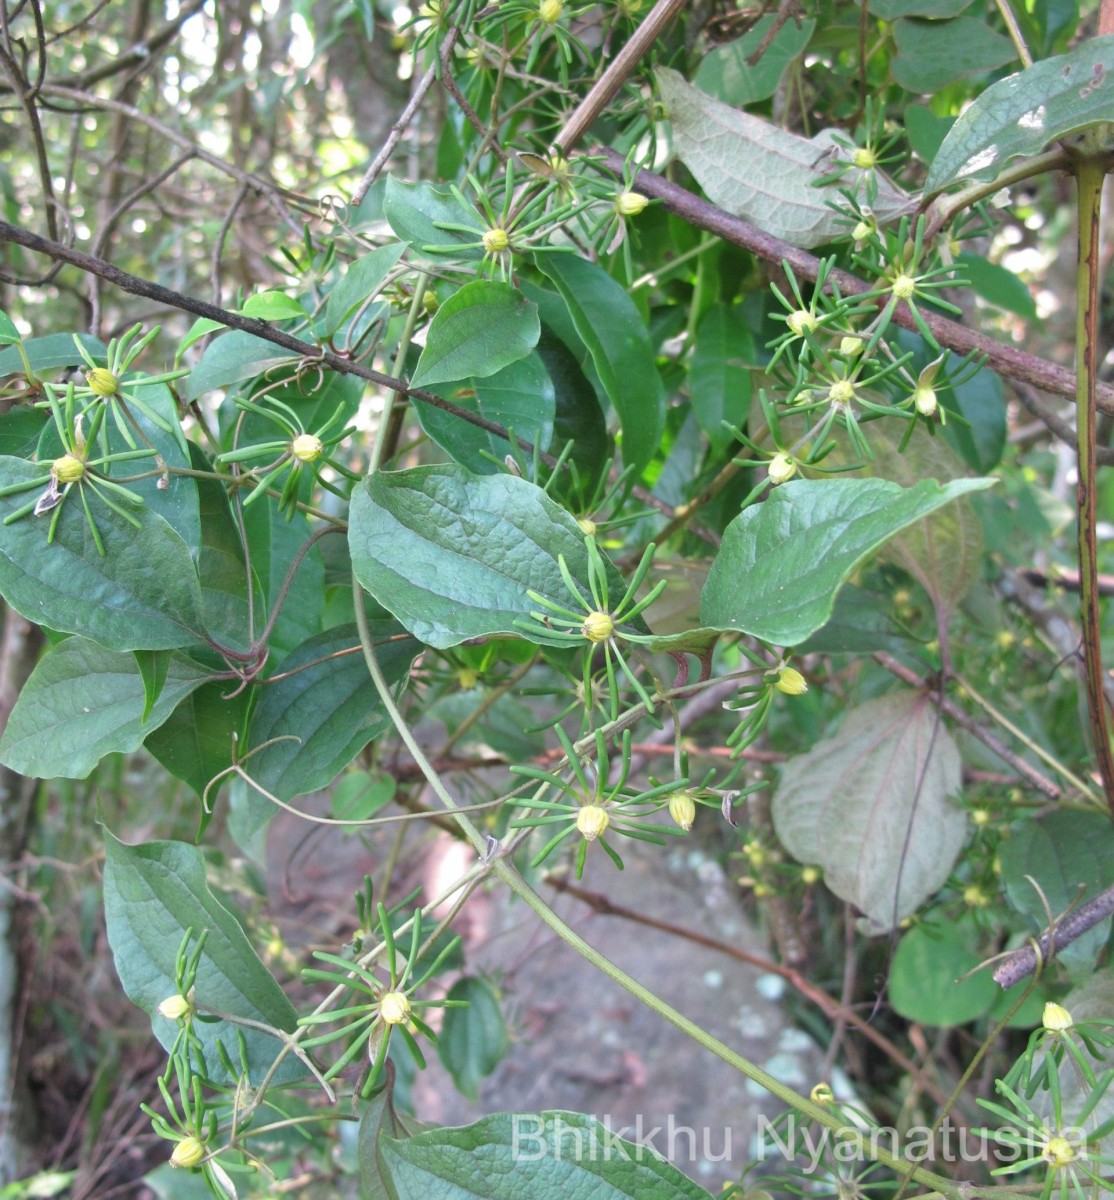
[
  {"x": 608, "y": 323},
  {"x": 872, "y": 806},
  {"x": 143, "y": 594},
  {"x": 720, "y": 372},
  {"x": 545, "y": 1155},
  {"x": 1022, "y": 114},
  {"x": 233, "y": 358},
  {"x": 929, "y": 980},
  {"x": 325, "y": 709},
  {"x": 782, "y": 562},
  {"x": 153, "y": 893},
  {"x": 453, "y": 555},
  {"x": 83, "y": 702},
  {"x": 727, "y": 73},
  {"x": 473, "y": 1039},
  {"x": 932, "y": 54},
  {"x": 480, "y": 329},
  {"x": 361, "y": 281}
]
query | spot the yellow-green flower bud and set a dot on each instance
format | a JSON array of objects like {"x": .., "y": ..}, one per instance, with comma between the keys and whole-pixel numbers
[
  {"x": 682, "y": 808},
  {"x": 924, "y": 400},
  {"x": 781, "y": 468},
  {"x": 67, "y": 469},
  {"x": 821, "y": 1094},
  {"x": 495, "y": 241},
  {"x": 102, "y": 382},
  {"x": 791, "y": 681},
  {"x": 466, "y": 679},
  {"x": 975, "y": 897},
  {"x": 904, "y": 287},
  {"x": 1059, "y": 1152},
  {"x": 188, "y": 1152},
  {"x": 588, "y": 527},
  {"x": 394, "y": 1008},
  {"x": 850, "y": 346},
  {"x": 980, "y": 817},
  {"x": 174, "y": 1008},
  {"x": 1056, "y": 1018},
  {"x": 841, "y": 393},
  {"x": 307, "y": 447},
  {"x": 801, "y": 322},
  {"x": 549, "y": 11},
  {"x": 598, "y": 626},
  {"x": 630, "y": 204},
  {"x": 810, "y": 875},
  {"x": 862, "y": 231},
  {"x": 865, "y": 159},
  {"x": 592, "y": 821}
]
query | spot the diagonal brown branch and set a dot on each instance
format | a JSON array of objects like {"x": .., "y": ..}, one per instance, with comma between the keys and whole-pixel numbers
[{"x": 1016, "y": 364}]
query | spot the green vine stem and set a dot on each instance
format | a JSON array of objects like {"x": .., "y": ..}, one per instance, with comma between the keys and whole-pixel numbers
[
  {"x": 504, "y": 870},
  {"x": 1091, "y": 168}
]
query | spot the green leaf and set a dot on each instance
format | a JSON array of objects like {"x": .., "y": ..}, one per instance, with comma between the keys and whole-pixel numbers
[
  {"x": 926, "y": 131},
  {"x": 890, "y": 10},
  {"x": 782, "y": 562},
  {"x": 274, "y": 541},
  {"x": 755, "y": 170},
  {"x": 153, "y": 893},
  {"x": 1069, "y": 855},
  {"x": 871, "y": 806},
  {"x": 9, "y": 335},
  {"x": 325, "y": 708},
  {"x": 146, "y": 592},
  {"x": 83, "y": 702},
  {"x": 862, "y": 622},
  {"x": 359, "y": 795},
  {"x": 20, "y": 430},
  {"x": 520, "y": 397},
  {"x": 195, "y": 743},
  {"x": 452, "y": 555},
  {"x": 997, "y": 284},
  {"x": 926, "y": 978},
  {"x": 726, "y": 74},
  {"x": 480, "y": 329},
  {"x": 944, "y": 552},
  {"x": 376, "y": 1121},
  {"x": 414, "y": 211},
  {"x": 610, "y": 326},
  {"x": 719, "y": 379},
  {"x": 48, "y": 353},
  {"x": 361, "y": 281},
  {"x": 932, "y": 54},
  {"x": 232, "y": 358},
  {"x": 1026, "y": 111},
  {"x": 980, "y": 437},
  {"x": 544, "y": 1155},
  {"x": 473, "y": 1040},
  {"x": 274, "y": 306},
  {"x": 153, "y": 666}
]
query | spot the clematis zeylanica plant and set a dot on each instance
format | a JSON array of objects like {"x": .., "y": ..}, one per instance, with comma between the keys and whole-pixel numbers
[
  {"x": 599, "y": 624},
  {"x": 592, "y": 804},
  {"x": 381, "y": 1007},
  {"x": 75, "y": 469}
]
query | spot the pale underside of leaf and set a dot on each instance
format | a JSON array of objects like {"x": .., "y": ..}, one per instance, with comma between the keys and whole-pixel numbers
[
  {"x": 755, "y": 170},
  {"x": 872, "y": 807}
]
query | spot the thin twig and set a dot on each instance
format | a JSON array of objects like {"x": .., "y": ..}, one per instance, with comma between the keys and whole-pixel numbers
[{"x": 1023, "y": 962}]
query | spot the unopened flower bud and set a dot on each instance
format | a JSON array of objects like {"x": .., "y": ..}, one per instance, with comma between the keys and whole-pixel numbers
[
  {"x": 841, "y": 393},
  {"x": 810, "y": 875},
  {"x": 682, "y": 808},
  {"x": 821, "y": 1094},
  {"x": 850, "y": 346},
  {"x": 801, "y": 322},
  {"x": 188, "y": 1152},
  {"x": 630, "y": 204},
  {"x": 495, "y": 241},
  {"x": 102, "y": 382},
  {"x": 904, "y": 287},
  {"x": 791, "y": 681},
  {"x": 549, "y": 11},
  {"x": 67, "y": 469},
  {"x": 781, "y": 468},
  {"x": 466, "y": 679},
  {"x": 598, "y": 626},
  {"x": 588, "y": 527},
  {"x": 394, "y": 1008},
  {"x": 865, "y": 159},
  {"x": 1056, "y": 1018},
  {"x": 307, "y": 447},
  {"x": 592, "y": 821},
  {"x": 1059, "y": 1151},
  {"x": 924, "y": 400},
  {"x": 174, "y": 1008}
]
